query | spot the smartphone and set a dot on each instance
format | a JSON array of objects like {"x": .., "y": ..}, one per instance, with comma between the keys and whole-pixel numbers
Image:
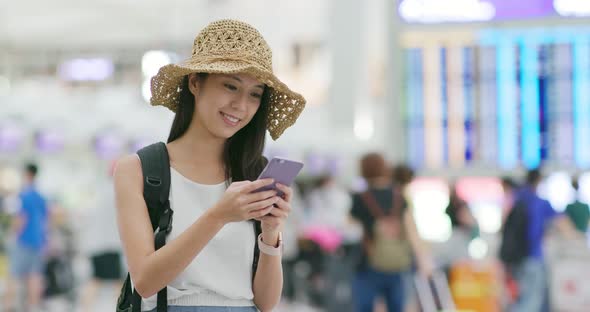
[{"x": 282, "y": 170}]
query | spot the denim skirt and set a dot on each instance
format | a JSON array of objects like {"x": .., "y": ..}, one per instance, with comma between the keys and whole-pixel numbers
[{"x": 209, "y": 309}]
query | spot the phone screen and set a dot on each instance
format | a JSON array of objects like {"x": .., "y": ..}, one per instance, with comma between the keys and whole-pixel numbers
[{"x": 282, "y": 170}]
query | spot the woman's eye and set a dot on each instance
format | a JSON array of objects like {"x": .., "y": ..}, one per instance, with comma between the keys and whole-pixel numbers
[
  {"x": 256, "y": 95},
  {"x": 230, "y": 87}
]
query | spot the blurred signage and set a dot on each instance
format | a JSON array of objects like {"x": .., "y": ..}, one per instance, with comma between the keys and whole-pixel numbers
[
  {"x": 49, "y": 140},
  {"x": 572, "y": 7},
  {"x": 436, "y": 11},
  {"x": 523, "y": 9},
  {"x": 11, "y": 137},
  {"x": 108, "y": 145},
  {"x": 91, "y": 69}
]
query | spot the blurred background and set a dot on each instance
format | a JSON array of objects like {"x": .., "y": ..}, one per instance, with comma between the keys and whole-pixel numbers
[{"x": 464, "y": 92}]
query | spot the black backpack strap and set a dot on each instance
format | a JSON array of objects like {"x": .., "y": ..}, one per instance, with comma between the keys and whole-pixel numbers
[
  {"x": 514, "y": 245},
  {"x": 257, "y": 231},
  {"x": 155, "y": 166},
  {"x": 257, "y": 225}
]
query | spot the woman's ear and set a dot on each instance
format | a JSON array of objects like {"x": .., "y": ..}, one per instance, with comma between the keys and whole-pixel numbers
[{"x": 193, "y": 83}]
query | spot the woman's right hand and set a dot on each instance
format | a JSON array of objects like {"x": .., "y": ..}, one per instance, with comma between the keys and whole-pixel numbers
[{"x": 240, "y": 203}]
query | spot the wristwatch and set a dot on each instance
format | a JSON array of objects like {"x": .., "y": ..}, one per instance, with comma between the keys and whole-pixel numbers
[{"x": 269, "y": 249}]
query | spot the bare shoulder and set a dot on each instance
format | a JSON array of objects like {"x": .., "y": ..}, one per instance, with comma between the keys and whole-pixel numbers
[{"x": 128, "y": 175}]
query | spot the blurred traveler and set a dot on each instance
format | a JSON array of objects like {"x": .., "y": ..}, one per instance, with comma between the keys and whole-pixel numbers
[
  {"x": 509, "y": 188},
  {"x": 26, "y": 250},
  {"x": 329, "y": 205},
  {"x": 578, "y": 212},
  {"x": 225, "y": 98},
  {"x": 522, "y": 244},
  {"x": 329, "y": 234},
  {"x": 102, "y": 244},
  {"x": 403, "y": 175},
  {"x": 463, "y": 230},
  {"x": 459, "y": 213},
  {"x": 390, "y": 239},
  {"x": 291, "y": 233}
]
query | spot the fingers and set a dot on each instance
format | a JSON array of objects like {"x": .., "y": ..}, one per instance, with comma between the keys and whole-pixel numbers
[
  {"x": 255, "y": 197},
  {"x": 262, "y": 204},
  {"x": 238, "y": 183},
  {"x": 258, "y": 214},
  {"x": 236, "y": 186},
  {"x": 283, "y": 205},
  {"x": 272, "y": 213},
  {"x": 281, "y": 210},
  {"x": 253, "y": 186},
  {"x": 287, "y": 190},
  {"x": 270, "y": 220},
  {"x": 279, "y": 213}
]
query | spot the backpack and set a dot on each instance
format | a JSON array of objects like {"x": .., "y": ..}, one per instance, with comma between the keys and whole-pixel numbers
[
  {"x": 59, "y": 276},
  {"x": 388, "y": 250},
  {"x": 155, "y": 166},
  {"x": 514, "y": 245}
]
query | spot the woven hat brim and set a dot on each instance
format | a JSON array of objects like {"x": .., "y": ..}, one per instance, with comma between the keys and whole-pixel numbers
[{"x": 285, "y": 104}]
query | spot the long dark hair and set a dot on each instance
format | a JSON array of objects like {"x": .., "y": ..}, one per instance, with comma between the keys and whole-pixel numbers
[
  {"x": 242, "y": 153},
  {"x": 454, "y": 208}
]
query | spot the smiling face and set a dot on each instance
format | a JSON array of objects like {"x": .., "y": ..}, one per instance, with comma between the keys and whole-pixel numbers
[{"x": 224, "y": 104}]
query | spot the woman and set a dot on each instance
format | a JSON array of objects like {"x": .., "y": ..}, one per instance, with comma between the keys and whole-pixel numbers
[
  {"x": 390, "y": 239},
  {"x": 225, "y": 97},
  {"x": 459, "y": 213},
  {"x": 464, "y": 229}
]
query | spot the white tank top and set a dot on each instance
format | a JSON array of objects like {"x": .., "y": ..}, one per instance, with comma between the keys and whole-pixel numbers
[{"x": 221, "y": 274}]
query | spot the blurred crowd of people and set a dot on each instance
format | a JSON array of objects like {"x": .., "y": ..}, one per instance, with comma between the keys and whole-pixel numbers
[
  {"x": 41, "y": 241},
  {"x": 374, "y": 232},
  {"x": 344, "y": 250}
]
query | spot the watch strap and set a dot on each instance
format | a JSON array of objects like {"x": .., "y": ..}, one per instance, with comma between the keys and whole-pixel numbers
[{"x": 269, "y": 249}]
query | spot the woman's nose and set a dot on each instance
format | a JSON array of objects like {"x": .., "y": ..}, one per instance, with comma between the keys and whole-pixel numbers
[{"x": 240, "y": 102}]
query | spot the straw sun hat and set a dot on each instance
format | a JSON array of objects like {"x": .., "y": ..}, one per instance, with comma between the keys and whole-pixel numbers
[{"x": 229, "y": 47}]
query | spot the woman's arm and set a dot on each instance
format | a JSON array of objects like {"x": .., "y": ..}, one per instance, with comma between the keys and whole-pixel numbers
[
  {"x": 268, "y": 282},
  {"x": 152, "y": 270},
  {"x": 425, "y": 265}
]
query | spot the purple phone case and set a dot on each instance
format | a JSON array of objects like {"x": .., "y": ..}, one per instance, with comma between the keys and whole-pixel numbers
[{"x": 282, "y": 171}]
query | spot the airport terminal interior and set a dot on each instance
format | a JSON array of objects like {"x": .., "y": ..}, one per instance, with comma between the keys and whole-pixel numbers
[{"x": 471, "y": 110}]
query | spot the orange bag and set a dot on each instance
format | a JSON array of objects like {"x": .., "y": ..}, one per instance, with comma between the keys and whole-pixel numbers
[{"x": 475, "y": 286}]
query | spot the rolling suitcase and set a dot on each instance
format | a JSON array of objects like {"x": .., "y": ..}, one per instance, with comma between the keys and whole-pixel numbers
[{"x": 433, "y": 293}]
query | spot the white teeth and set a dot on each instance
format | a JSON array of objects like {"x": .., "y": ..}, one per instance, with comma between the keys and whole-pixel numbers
[{"x": 230, "y": 118}]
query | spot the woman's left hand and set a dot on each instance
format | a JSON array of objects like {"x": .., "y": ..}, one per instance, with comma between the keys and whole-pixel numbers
[{"x": 273, "y": 223}]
